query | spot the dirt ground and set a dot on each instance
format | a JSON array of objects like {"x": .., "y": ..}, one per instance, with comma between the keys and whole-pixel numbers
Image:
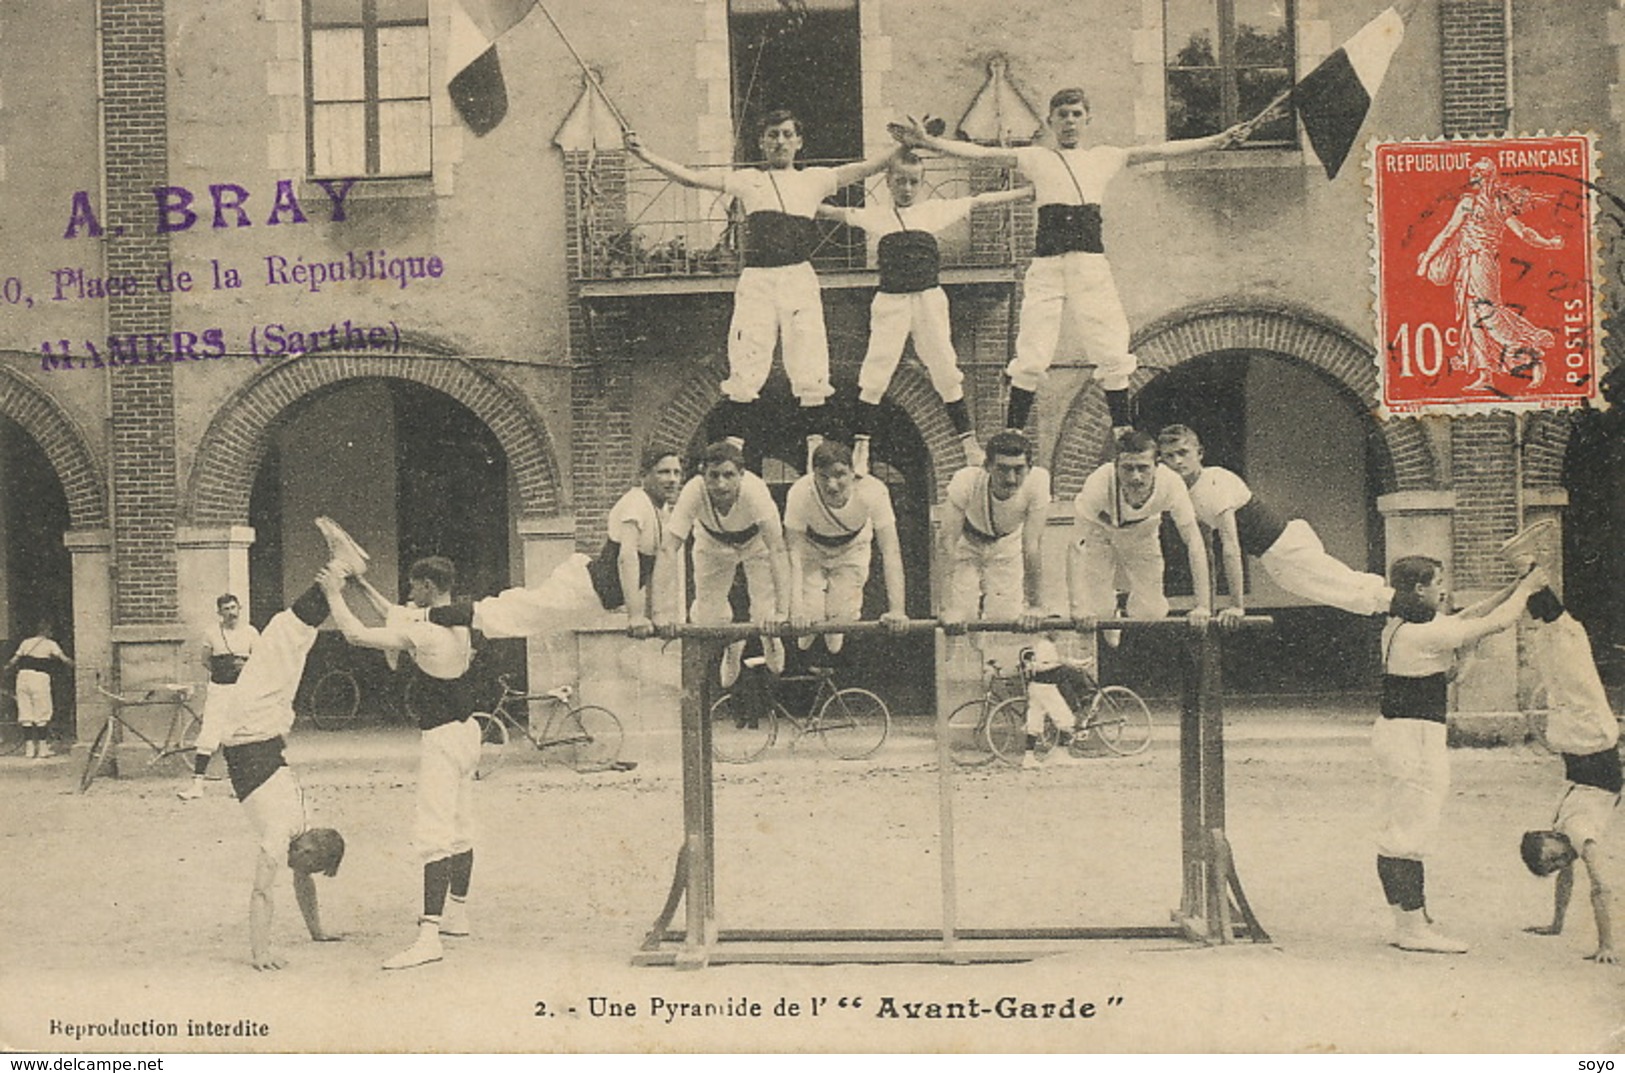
[{"x": 125, "y": 904}]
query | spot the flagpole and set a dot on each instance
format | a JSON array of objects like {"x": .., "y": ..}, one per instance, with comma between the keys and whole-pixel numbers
[{"x": 592, "y": 77}]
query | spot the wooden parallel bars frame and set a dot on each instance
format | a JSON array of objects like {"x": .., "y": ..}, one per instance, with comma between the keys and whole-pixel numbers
[{"x": 1211, "y": 900}]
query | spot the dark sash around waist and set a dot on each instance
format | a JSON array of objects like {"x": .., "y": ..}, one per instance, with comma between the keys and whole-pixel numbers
[
  {"x": 735, "y": 538},
  {"x": 774, "y": 239},
  {"x": 977, "y": 536},
  {"x": 249, "y": 765},
  {"x": 1599, "y": 769},
  {"x": 605, "y": 572},
  {"x": 440, "y": 700},
  {"x": 1068, "y": 229},
  {"x": 42, "y": 664},
  {"x": 909, "y": 262},
  {"x": 1415, "y": 698},
  {"x": 1257, "y": 527},
  {"x": 224, "y": 667},
  {"x": 839, "y": 540}
]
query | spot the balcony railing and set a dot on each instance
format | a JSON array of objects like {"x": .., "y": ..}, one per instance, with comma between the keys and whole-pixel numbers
[{"x": 634, "y": 223}]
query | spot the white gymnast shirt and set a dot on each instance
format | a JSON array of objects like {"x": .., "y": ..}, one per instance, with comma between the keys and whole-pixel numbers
[
  {"x": 1093, "y": 168},
  {"x": 866, "y": 510},
  {"x": 991, "y": 518},
  {"x": 650, "y": 521},
  {"x": 930, "y": 215},
  {"x": 786, "y": 190},
  {"x": 753, "y": 508},
  {"x": 1102, "y": 506}
]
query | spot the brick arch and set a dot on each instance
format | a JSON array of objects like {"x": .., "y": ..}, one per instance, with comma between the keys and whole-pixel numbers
[
  {"x": 683, "y": 416},
  {"x": 1291, "y": 332},
  {"x": 64, "y": 445},
  {"x": 234, "y": 443}
]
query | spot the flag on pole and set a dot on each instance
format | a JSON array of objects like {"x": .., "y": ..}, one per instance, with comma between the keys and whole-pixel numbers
[
  {"x": 476, "y": 86},
  {"x": 1333, "y": 99}
]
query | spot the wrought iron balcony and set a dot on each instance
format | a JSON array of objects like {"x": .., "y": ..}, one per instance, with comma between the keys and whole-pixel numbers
[{"x": 637, "y": 231}]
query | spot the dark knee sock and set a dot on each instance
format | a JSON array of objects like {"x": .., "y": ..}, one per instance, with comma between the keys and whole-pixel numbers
[
  {"x": 458, "y": 613},
  {"x": 735, "y": 419},
  {"x": 462, "y": 871},
  {"x": 311, "y": 607},
  {"x": 436, "y": 882},
  {"x": 867, "y": 419},
  {"x": 1402, "y": 881},
  {"x": 1117, "y": 404},
  {"x": 200, "y": 763},
  {"x": 814, "y": 420},
  {"x": 1019, "y": 408},
  {"x": 959, "y": 414}
]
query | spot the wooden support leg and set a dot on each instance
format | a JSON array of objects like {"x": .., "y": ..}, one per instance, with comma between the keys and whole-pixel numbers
[
  {"x": 674, "y": 897},
  {"x": 699, "y": 821}
]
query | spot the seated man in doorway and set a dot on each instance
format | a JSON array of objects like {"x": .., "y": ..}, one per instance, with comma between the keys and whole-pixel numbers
[
  {"x": 1289, "y": 550},
  {"x": 1116, "y": 521},
  {"x": 735, "y": 523},
  {"x": 832, "y": 520}
]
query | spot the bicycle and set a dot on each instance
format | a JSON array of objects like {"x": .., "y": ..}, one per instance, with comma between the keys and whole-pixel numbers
[
  {"x": 334, "y": 702},
  {"x": 851, "y": 722},
  {"x": 972, "y": 727},
  {"x": 588, "y": 737},
  {"x": 179, "y": 738},
  {"x": 1115, "y": 713}
]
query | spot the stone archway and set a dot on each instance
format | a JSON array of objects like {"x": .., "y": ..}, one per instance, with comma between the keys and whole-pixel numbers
[
  {"x": 1292, "y": 332},
  {"x": 234, "y": 442},
  {"x": 684, "y": 415},
  {"x": 64, "y": 445}
]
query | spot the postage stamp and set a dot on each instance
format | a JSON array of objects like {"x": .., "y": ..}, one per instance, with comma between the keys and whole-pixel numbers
[{"x": 1486, "y": 287}]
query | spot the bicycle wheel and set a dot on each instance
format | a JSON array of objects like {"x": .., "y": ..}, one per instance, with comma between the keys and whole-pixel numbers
[
  {"x": 967, "y": 734},
  {"x": 1122, "y": 720},
  {"x": 590, "y": 737},
  {"x": 1007, "y": 730},
  {"x": 739, "y": 736},
  {"x": 334, "y": 700},
  {"x": 493, "y": 739},
  {"x": 853, "y": 723},
  {"x": 100, "y": 749}
]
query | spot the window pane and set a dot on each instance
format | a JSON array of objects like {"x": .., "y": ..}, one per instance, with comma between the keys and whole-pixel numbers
[
  {"x": 339, "y": 139},
  {"x": 328, "y": 11},
  {"x": 1256, "y": 88},
  {"x": 403, "y": 61},
  {"x": 1263, "y": 34},
  {"x": 1191, "y": 29},
  {"x": 403, "y": 138},
  {"x": 336, "y": 65},
  {"x": 1193, "y": 104},
  {"x": 403, "y": 10}
]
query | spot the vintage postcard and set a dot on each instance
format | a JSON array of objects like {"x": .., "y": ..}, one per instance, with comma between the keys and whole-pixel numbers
[{"x": 667, "y": 526}]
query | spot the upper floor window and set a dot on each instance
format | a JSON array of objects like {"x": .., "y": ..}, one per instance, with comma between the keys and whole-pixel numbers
[
  {"x": 1226, "y": 61},
  {"x": 804, "y": 55},
  {"x": 367, "y": 87}
]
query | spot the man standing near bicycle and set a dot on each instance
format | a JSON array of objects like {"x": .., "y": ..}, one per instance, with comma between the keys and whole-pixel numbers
[
  {"x": 226, "y": 649},
  {"x": 442, "y": 694},
  {"x": 735, "y": 523}
]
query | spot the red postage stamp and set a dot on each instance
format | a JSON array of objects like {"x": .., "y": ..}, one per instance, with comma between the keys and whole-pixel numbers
[{"x": 1486, "y": 289}]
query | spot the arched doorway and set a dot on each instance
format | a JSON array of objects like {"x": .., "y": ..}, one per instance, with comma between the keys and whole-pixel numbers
[
  {"x": 409, "y": 472},
  {"x": 36, "y": 569},
  {"x": 899, "y": 668},
  {"x": 1309, "y": 449}
]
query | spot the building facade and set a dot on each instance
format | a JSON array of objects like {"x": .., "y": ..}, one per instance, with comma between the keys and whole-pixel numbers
[{"x": 521, "y": 313}]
